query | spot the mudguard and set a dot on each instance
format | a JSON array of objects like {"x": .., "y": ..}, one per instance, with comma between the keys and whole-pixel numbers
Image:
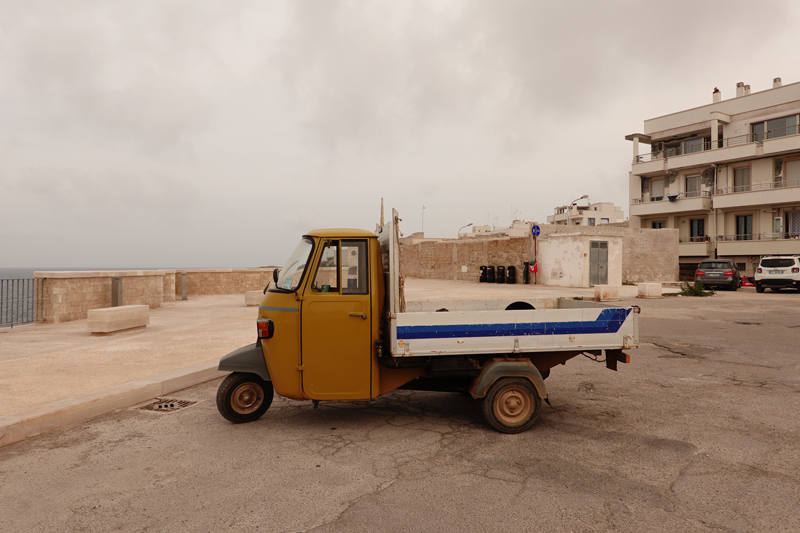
[
  {"x": 248, "y": 359},
  {"x": 507, "y": 369}
]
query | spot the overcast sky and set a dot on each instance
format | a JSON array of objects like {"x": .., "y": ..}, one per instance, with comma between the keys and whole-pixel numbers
[{"x": 214, "y": 134}]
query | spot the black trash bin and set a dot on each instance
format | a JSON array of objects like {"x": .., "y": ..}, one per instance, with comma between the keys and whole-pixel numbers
[
  {"x": 501, "y": 274},
  {"x": 483, "y": 274},
  {"x": 511, "y": 274},
  {"x": 490, "y": 274}
]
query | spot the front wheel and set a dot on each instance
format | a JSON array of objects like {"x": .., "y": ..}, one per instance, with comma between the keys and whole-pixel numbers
[
  {"x": 512, "y": 405},
  {"x": 244, "y": 397}
]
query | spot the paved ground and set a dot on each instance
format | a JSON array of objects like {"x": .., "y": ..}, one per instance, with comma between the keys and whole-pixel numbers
[
  {"x": 44, "y": 363},
  {"x": 698, "y": 433}
]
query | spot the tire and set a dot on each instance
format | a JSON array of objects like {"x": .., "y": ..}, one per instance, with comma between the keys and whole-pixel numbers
[
  {"x": 759, "y": 288},
  {"x": 512, "y": 405},
  {"x": 244, "y": 397},
  {"x": 734, "y": 287}
]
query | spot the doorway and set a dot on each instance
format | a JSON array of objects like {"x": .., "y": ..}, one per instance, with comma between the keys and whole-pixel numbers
[{"x": 598, "y": 263}]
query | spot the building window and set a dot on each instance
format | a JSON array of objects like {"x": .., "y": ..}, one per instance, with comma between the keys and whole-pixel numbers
[
  {"x": 741, "y": 267},
  {"x": 656, "y": 190},
  {"x": 659, "y": 225},
  {"x": 792, "y": 173},
  {"x": 777, "y": 127},
  {"x": 793, "y": 225},
  {"x": 697, "y": 230},
  {"x": 685, "y": 147},
  {"x": 692, "y": 186},
  {"x": 744, "y": 228},
  {"x": 741, "y": 179},
  {"x": 591, "y": 222},
  {"x": 603, "y": 221}
]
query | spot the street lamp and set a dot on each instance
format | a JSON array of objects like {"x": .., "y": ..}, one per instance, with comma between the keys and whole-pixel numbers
[
  {"x": 569, "y": 216},
  {"x": 458, "y": 235}
]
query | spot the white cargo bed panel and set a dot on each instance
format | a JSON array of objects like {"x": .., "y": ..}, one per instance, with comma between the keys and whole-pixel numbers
[{"x": 499, "y": 332}]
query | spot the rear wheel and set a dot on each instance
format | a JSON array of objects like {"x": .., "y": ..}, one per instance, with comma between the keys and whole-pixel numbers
[
  {"x": 244, "y": 397},
  {"x": 759, "y": 288},
  {"x": 512, "y": 405}
]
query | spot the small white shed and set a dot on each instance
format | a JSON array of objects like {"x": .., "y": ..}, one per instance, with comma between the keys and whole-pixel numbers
[{"x": 579, "y": 260}]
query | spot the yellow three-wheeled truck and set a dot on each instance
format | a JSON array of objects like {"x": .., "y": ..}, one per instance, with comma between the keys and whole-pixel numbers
[{"x": 334, "y": 325}]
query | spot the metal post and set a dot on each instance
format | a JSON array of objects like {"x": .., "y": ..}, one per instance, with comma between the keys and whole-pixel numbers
[
  {"x": 116, "y": 292},
  {"x": 184, "y": 286}
]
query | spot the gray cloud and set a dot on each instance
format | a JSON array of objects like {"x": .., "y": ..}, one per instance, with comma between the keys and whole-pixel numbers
[{"x": 198, "y": 133}]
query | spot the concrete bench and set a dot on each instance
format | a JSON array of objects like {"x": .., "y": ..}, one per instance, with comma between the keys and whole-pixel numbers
[
  {"x": 253, "y": 297},
  {"x": 606, "y": 293},
  {"x": 649, "y": 290},
  {"x": 111, "y": 319}
]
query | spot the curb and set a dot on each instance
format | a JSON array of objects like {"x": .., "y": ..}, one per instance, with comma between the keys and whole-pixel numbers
[{"x": 23, "y": 424}]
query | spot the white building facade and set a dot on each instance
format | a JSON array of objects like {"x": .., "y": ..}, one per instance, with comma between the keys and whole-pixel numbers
[
  {"x": 726, "y": 175},
  {"x": 596, "y": 214}
]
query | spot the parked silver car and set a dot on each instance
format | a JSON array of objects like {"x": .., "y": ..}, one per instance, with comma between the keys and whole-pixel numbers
[{"x": 718, "y": 273}]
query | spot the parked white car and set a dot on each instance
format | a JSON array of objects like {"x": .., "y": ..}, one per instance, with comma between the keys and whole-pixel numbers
[{"x": 778, "y": 272}]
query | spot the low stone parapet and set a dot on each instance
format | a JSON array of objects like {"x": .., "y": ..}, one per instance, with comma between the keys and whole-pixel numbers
[
  {"x": 111, "y": 319},
  {"x": 253, "y": 297},
  {"x": 649, "y": 290},
  {"x": 606, "y": 293}
]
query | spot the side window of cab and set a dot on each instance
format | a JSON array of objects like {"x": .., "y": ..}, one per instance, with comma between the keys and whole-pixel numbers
[{"x": 326, "y": 279}]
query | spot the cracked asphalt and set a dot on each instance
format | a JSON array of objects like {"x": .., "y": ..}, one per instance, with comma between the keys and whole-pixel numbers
[{"x": 698, "y": 433}]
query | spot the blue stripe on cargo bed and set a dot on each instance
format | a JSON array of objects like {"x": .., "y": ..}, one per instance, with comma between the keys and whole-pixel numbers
[{"x": 609, "y": 321}]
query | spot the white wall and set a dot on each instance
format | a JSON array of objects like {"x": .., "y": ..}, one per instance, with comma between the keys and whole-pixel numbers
[{"x": 564, "y": 259}]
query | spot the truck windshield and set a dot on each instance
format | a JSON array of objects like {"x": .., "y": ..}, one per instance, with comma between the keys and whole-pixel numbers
[{"x": 292, "y": 273}]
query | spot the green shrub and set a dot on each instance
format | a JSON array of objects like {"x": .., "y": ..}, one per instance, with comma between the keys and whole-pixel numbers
[{"x": 695, "y": 289}]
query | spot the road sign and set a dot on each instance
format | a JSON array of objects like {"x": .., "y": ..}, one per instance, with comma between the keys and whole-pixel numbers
[{"x": 536, "y": 230}]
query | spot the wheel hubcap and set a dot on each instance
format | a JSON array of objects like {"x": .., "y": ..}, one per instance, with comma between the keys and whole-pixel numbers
[
  {"x": 246, "y": 398},
  {"x": 513, "y": 406}
]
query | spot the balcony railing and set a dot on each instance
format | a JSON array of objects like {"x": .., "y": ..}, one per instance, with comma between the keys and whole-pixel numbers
[
  {"x": 720, "y": 143},
  {"x": 758, "y": 187},
  {"x": 670, "y": 197},
  {"x": 757, "y": 237}
]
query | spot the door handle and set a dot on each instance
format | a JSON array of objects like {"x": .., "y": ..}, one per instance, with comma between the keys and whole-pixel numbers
[{"x": 362, "y": 315}]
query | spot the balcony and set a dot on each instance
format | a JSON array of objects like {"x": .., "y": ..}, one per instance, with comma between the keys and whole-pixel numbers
[
  {"x": 758, "y": 244},
  {"x": 695, "y": 249},
  {"x": 720, "y": 151},
  {"x": 772, "y": 193},
  {"x": 671, "y": 204}
]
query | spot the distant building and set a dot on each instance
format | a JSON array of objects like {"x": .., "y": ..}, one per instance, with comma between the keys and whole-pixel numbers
[
  {"x": 596, "y": 214},
  {"x": 725, "y": 174},
  {"x": 518, "y": 228}
]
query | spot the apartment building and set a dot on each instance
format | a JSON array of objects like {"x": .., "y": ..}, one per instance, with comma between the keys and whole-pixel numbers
[
  {"x": 595, "y": 214},
  {"x": 726, "y": 175}
]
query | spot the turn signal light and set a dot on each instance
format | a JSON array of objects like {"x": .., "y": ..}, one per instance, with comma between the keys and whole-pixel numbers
[
  {"x": 699, "y": 273},
  {"x": 266, "y": 328},
  {"x": 728, "y": 273}
]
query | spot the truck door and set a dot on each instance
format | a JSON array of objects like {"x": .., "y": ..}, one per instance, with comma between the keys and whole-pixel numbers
[{"x": 336, "y": 324}]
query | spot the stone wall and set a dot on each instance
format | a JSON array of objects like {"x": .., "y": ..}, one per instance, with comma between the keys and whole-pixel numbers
[
  {"x": 223, "y": 280},
  {"x": 70, "y": 295},
  {"x": 462, "y": 259},
  {"x": 169, "y": 285},
  {"x": 647, "y": 254}
]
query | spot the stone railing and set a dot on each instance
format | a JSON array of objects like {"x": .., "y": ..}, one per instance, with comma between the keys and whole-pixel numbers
[{"x": 70, "y": 295}]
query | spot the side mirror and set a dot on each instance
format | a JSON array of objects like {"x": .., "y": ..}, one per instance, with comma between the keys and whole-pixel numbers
[{"x": 275, "y": 274}]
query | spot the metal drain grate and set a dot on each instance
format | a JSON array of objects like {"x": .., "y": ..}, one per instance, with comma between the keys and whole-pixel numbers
[{"x": 166, "y": 405}]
